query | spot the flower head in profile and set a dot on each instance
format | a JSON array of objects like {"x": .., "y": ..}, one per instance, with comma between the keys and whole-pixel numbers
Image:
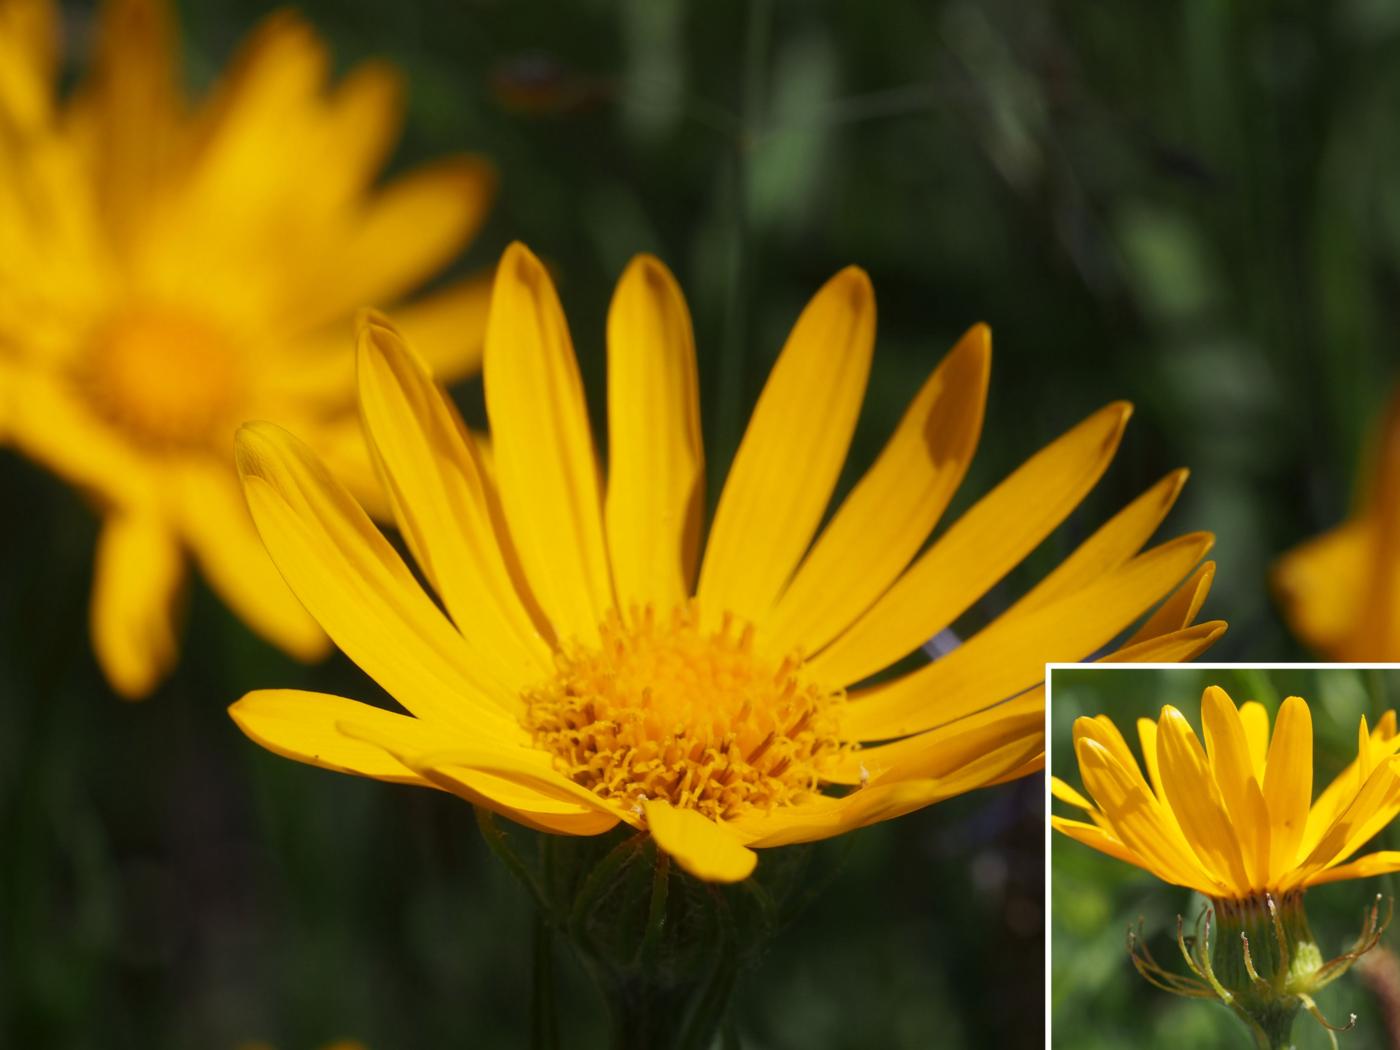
[
  {"x": 593, "y": 666},
  {"x": 1235, "y": 819},
  {"x": 172, "y": 267},
  {"x": 1340, "y": 591}
]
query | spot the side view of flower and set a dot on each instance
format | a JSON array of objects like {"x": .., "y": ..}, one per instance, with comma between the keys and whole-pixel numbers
[
  {"x": 171, "y": 268},
  {"x": 597, "y": 668},
  {"x": 1236, "y": 820}
]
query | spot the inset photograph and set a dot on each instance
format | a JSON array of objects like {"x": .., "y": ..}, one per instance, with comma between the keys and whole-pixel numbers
[{"x": 1223, "y": 857}]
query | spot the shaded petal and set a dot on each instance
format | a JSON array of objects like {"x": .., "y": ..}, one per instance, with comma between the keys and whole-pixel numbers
[
  {"x": 360, "y": 591},
  {"x": 1104, "y": 841},
  {"x": 544, "y": 458},
  {"x": 1189, "y": 785},
  {"x": 699, "y": 845},
  {"x": 441, "y": 500},
  {"x": 656, "y": 462},
  {"x": 892, "y": 509},
  {"x": 137, "y": 582},
  {"x": 1062, "y": 791},
  {"x": 1233, "y": 769},
  {"x": 977, "y": 550},
  {"x": 791, "y": 454},
  {"x": 1288, "y": 778},
  {"x": 1010, "y": 654},
  {"x": 1254, "y": 716}
]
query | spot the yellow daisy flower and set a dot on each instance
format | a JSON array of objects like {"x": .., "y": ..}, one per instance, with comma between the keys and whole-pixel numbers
[
  {"x": 1234, "y": 819},
  {"x": 590, "y": 674},
  {"x": 171, "y": 268},
  {"x": 1340, "y": 591}
]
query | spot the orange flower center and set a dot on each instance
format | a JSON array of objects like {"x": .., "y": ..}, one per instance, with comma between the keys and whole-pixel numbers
[
  {"x": 662, "y": 709},
  {"x": 166, "y": 378}
]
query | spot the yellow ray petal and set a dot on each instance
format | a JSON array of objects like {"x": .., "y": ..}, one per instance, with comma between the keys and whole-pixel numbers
[
  {"x": 544, "y": 457},
  {"x": 302, "y": 726},
  {"x": 1288, "y": 777},
  {"x": 440, "y": 498},
  {"x": 976, "y": 551},
  {"x": 1196, "y": 802},
  {"x": 1097, "y": 838},
  {"x": 214, "y": 521},
  {"x": 656, "y": 463},
  {"x": 1062, "y": 791},
  {"x": 1180, "y": 609},
  {"x": 867, "y": 764},
  {"x": 1010, "y": 654},
  {"x": 891, "y": 511},
  {"x": 1175, "y": 648},
  {"x": 359, "y": 590},
  {"x": 1254, "y": 716},
  {"x": 1380, "y": 863},
  {"x": 1110, "y": 546},
  {"x": 136, "y": 589},
  {"x": 1372, "y": 807},
  {"x": 1233, "y": 769},
  {"x": 1137, "y": 819},
  {"x": 791, "y": 453},
  {"x": 825, "y": 817},
  {"x": 699, "y": 845},
  {"x": 29, "y": 34}
]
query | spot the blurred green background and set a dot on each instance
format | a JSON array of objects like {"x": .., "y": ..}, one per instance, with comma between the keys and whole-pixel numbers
[
  {"x": 1192, "y": 206},
  {"x": 1098, "y": 1001}
]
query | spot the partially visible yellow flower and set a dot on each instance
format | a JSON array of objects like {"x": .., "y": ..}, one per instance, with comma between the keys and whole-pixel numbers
[
  {"x": 597, "y": 669},
  {"x": 1234, "y": 819},
  {"x": 169, "y": 269},
  {"x": 1340, "y": 591}
]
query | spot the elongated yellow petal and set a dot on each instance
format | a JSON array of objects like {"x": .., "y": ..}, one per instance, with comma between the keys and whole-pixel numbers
[
  {"x": 792, "y": 452},
  {"x": 544, "y": 456},
  {"x": 1109, "y": 547},
  {"x": 303, "y": 726},
  {"x": 1174, "y": 648},
  {"x": 1180, "y": 609},
  {"x": 1254, "y": 716},
  {"x": 1228, "y": 751},
  {"x": 214, "y": 521},
  {"x": 1288, "y": 777},
  {"x": 1062, "y": 791},
  {"x": 1097, "y": 838},
  {"x": 824, "y": 817},
  {"x": 1137, "y": 819},
  {"x": 1374, "y": 806},
  {"x": 1190, "y": 787},
  {"x": 891, "y": 511},
  {"x": 442, "y": 502},
  {"x": 976, "y": 551},
  {"x": 1380, "y": 863},
  {"x": 359, "y": 590},
  {"x": 699, "y": 845},
  {"x": 1010, "y": 654},
  {"x": 136, "y": 587},
  {"x": 656, "y": 463},
  {"x": 29, "y": 34}
]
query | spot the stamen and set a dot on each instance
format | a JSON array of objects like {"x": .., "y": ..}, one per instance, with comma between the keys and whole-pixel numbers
[{"x": 663, "y": 709}]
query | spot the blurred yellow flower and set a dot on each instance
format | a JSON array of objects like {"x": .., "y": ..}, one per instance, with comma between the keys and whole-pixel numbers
[
  {"x": 170, "y": 268},
  {"x": 1340, "y": 591},
  {"x": 1236, "y": 819},
  {"x": 586, "y": 678}
]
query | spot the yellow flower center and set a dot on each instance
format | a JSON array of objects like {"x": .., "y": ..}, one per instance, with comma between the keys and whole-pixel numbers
[
  {"x": 166, "y": 378},
  {"x": 661, "y": 709}
]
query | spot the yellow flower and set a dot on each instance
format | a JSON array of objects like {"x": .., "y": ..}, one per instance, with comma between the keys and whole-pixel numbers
[
  {"x": 590, "y": 674},
  {"x": 1236, "y": 819},
  {"x": 169, "y": 269},
  {"x": 1340, "y": 591}
]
